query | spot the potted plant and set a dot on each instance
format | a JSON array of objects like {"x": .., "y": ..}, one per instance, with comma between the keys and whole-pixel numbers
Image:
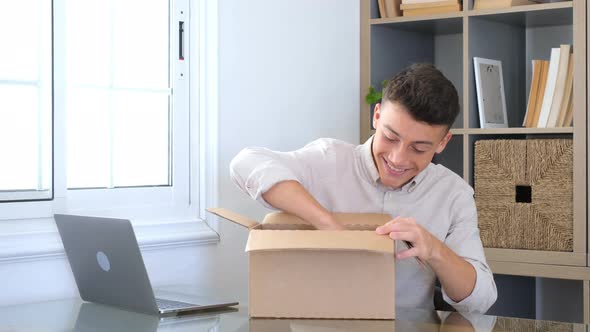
[{"x": 374, "y": 97}]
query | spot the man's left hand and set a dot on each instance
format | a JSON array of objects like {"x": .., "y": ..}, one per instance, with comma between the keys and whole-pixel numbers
[{"x": 425, "y": 246}]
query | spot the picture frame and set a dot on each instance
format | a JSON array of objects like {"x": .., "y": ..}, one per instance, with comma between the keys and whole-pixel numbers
[{"x": 491, "y": 100}]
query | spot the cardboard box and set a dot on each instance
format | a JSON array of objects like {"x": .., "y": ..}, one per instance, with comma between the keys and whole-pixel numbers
[
  {"x": 326, "y": 325},
  {"x": 297, "y": 271}
]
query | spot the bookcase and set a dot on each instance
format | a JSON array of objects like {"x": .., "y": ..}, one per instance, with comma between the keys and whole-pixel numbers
[{"x": 515, "y": 36}]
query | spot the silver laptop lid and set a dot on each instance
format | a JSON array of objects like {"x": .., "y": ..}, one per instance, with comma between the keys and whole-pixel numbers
[{"x": 106, "y": 262}]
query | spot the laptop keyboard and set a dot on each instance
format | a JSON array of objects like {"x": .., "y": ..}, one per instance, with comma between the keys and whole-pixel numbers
[{"x": 169, "y": 304}]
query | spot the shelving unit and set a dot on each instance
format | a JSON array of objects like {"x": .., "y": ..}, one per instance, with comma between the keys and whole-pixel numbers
[{"x": 514, "y": 36}]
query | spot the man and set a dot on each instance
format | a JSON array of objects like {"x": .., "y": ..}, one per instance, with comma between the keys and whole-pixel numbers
[{"x": 432, "y": 208}]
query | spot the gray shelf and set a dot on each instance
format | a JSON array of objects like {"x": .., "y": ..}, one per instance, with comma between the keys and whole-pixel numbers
[
  {"x": 515, "y": 45},
  {"x": 530, "y": 16},
  {"x": 437, "y": 24}
]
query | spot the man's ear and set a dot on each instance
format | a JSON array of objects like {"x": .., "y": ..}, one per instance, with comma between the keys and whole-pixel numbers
[
  {"x": 443, "y": 144},
  {"x": 376, "y": 114}
]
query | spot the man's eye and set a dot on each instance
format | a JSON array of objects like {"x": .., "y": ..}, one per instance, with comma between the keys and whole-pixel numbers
[{"x": 419, "y": 151}]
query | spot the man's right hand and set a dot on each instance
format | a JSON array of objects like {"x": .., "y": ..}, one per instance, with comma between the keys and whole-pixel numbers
[
  {"x": 291, "y": 197},
  {"x": 330, "y": 224}
]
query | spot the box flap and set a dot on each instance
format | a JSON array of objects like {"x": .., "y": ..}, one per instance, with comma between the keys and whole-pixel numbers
[
  {"x": 376, "y": 219},
  {"x": 336, "y": 240},
  {"x": 234, "y": 217}
]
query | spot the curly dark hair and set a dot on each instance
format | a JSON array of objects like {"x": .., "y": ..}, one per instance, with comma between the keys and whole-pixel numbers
[{"x": 426, "y": 94}]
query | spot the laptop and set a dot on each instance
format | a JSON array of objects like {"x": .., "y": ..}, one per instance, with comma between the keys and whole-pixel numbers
[{"x": 109, "y": 269}]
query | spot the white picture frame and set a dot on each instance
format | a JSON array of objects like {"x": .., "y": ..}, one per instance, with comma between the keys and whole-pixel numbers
[{"x": 489, "y": 85}]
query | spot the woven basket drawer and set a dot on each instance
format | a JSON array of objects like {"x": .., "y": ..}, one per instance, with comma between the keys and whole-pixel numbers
[{"x": 524, "y": 193}]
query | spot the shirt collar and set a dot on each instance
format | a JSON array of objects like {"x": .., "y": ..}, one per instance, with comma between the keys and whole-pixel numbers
[
  {"x": 419, "y": 178},
  {"x": 372, "y": 174},
  {"x": 368, "y": 165}
]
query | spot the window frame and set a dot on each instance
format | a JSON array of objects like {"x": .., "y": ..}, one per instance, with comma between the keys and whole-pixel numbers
[{"x": 194, "y": 165}]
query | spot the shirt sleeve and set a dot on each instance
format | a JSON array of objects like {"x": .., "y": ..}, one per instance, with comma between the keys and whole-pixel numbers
[
  {"x": 255, "y": 170},
  {"x": 463, "y": 238}
]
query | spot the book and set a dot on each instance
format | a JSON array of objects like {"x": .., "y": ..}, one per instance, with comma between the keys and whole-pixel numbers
[
  {"x": 493, "y": 4},
  {"x": 432, "y": 10},
  {"x": 549, "y": 88},
  {"x": 569, "y": 117},
  {"x": 535, "y": 82},
  {"x": 382, "y": 11},
  {"x": 560, "y": 81},
  {"x": 549, "y": 1},
  {"x": 392, "y": 8},
  {"x": 408, "y": 2},
  {"x": 439, "y": 3},
  {"x": 540, "y": 92},
  {"x": 568, "y": 93}
]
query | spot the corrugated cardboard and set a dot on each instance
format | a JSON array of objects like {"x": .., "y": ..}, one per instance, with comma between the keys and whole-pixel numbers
[{"x": 299, "y": 272}]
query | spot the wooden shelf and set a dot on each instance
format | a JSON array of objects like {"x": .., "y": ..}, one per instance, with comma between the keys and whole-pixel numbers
[
  {"x": 540, "y": 270},
  {"x": 409, "y": 19},
  {"x": 515, "y": 36},
  {"x": 512, "y": 131},
  {"x": 458, "y": 131},
  {"x": 443, "y": 24},
  {"x": 536, "y": 256},
  {"x": 509, "y": 131},
  {"x": 560, "y": 13},
  {"x": 552, "y": 14},
  {"x": 521, "y": 9}
]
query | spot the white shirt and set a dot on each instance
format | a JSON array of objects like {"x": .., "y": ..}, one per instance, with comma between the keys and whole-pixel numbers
[{"x": 343, "y": 178}]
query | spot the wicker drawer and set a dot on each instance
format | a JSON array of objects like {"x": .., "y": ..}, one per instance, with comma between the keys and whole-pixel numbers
[{"x": 524, "y": 195}]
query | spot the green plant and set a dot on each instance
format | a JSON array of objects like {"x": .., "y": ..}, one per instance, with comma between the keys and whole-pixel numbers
[{"x": 373, "y": 96}]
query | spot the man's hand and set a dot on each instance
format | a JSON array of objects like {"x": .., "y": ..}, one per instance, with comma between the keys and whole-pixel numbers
[
  {"x": 291, "y": 197},
  {"x": 329, "y": 224},
  {"x": 424, "y": 245},
  {"x": 455, "y": 274}
]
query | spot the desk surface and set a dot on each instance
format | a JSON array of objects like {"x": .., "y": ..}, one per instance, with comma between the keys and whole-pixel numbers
[{"x": 74, "y": 315}]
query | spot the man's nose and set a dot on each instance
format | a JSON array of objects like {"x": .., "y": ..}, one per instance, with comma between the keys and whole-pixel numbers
[{"x": 398, "y": 155}]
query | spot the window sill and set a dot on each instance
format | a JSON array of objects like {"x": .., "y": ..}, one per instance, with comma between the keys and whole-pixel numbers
[{"x": 38, "y": 239}]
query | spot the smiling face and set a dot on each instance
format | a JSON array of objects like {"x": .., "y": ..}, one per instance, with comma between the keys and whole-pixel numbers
[{"x": 402, "y": 146}]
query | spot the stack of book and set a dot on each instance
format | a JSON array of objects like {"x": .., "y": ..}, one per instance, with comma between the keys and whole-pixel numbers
[
  {"x": 389, "y": 8},
  {"x": 551, "y": 95},
  {"x": 429, "y": 7},
  {"x": 493, "y": 4},
  {"x": 549, "y": 1}
]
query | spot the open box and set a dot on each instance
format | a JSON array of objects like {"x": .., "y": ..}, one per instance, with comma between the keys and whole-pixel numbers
[{"x": 297, "y": 271}]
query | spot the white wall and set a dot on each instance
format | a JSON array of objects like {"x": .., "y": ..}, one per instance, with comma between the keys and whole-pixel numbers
[{"x": 289, "y": 73}]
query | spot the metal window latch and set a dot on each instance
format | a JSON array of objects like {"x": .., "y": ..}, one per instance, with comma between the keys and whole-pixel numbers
[{"x": 180, "y": 40}]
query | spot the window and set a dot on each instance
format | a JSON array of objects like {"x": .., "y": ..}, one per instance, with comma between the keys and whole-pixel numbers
[
  {"x": 25, "y": 100},
  {"x": 118, "y": 93},
  {"x": 121, "y": 114}
]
